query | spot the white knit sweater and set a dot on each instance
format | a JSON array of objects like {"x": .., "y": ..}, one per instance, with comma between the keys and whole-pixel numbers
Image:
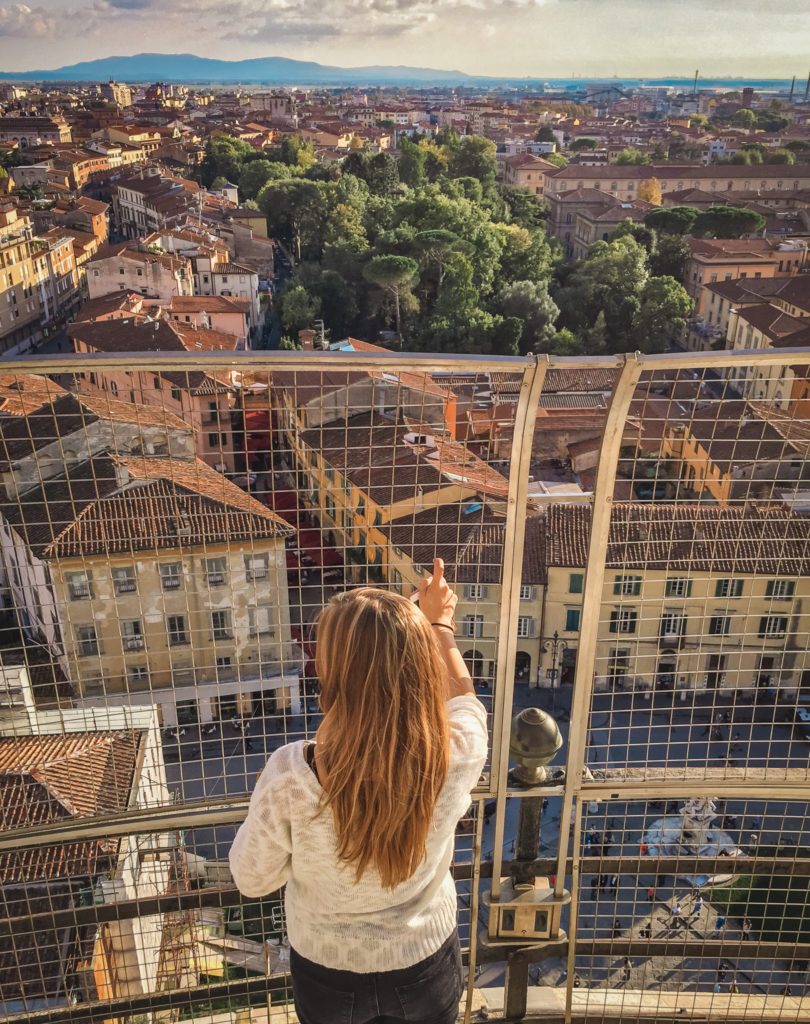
[{"x": 331, "y": 919}]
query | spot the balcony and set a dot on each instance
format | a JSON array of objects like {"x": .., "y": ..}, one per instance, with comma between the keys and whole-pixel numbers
[{"x": 685, "y": 765}]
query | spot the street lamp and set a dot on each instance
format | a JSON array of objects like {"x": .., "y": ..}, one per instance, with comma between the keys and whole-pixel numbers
[{"x": 555, "y": 646}]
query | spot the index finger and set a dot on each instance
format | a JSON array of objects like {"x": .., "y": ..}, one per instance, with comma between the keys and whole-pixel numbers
[{"x": 438, "y": 570}]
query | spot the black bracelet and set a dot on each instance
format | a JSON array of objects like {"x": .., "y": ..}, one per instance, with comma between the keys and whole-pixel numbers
[{"x": 444, "y": 625}]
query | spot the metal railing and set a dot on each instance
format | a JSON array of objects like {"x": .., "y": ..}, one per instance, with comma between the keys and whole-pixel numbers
[{"x": 679, "y": 825}]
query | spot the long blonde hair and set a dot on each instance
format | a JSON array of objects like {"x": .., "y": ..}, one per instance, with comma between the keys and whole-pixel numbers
[{"x": 384, "y": 740}]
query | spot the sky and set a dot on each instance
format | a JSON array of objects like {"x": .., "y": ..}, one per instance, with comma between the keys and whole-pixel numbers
[{"x": 538, "y": 38}]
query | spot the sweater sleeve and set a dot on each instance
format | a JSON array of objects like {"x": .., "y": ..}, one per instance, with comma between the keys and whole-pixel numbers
[{"x": 261, "y": 853}]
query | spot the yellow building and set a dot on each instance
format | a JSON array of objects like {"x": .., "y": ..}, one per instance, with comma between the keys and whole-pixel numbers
[
  {"x": 169, "y": 584},
  {"x": 706, "y": 598}
]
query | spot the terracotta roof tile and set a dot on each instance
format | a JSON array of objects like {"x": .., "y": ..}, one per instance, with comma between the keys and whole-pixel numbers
[{"x": 768, "y": 540}]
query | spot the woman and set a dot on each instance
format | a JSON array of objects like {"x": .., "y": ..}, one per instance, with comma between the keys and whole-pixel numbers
[{"x": 360, "y": 824}]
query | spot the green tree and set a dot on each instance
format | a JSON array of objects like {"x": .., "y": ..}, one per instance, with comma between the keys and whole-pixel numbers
[
  {"x": 394, "y": 275},
  {"x": 288, "y": 344},
  {"x": 580, "y": 144},
  {"x": 632, "y": 156},
  {"x": 638, "y": 310},
  {"x": 437, "y": 247},
  {"x": 224, "y": 158},
  {"x": 295, "y": 211},
  {"x": 780, "y": 155},
  {"x": 298, "y": 309},
  {"x": 744, "y": 118},
  {"x": 475, "y": 158},
  {"x": 437, "y": 159},
  {"x": 412, "y": 159},
  {"x": 663, "y": 306},
  {"x": 545, "y": 134},
  {"x": 672, "y": 220},
  {"x": 644, "y": 235},
  {"x": 296, "y": 153},
  {"x": 257, "y": 173},
  {"x": 670, "y": 256},
  {"x": 382, "y": 175},
  {"x": 727, "y": 222},
  {"x": 650, "y": 191},
  {"x": 530, "y": 303},
  {"x": 557, "y": 159},
  {"x": 525, "y": 208},
  {"x": 219, "y": 182}
]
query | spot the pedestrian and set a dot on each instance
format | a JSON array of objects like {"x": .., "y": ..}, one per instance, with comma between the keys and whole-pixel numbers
[
  {"x": 628, "y": 966},
  {"x": 614, "y": 881},
  {"x": 753, "y": 840},
  {"x": 577, "y": 982},
  {"x": 697, "y": 906},
  {"x": 603, "y": 882},
  {"x": 733, "y": 988},
  {"x": 644, "y": 849},
  {"x": 645, "y": 932},
  {"x": 722, "y": 970},
  {"x": 617, "y": 928},
  {"x": 786, "y": 991},
  {"x": 718, "y": 924},
  {"x": 594, "y": 883},
  {"x": 650, "y": 893},
  {"x": 675, "y": 915},
  {"x": 746, "y": 928},
  {"x": 377, "y": 651},
  {"x": 756, "y": 821}
]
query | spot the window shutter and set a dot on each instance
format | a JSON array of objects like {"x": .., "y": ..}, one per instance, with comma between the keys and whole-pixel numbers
[
  {"x": 763, "y": 625},
  {"x": 614, "y": 621},
  {"x": 769, "y": 588},
  {"x": 791, "y": 586},
  {"x": 617, "y": 585},
  {"x": 688, "y": 588}
]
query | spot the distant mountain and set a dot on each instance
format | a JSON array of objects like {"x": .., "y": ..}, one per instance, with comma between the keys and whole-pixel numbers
[{"x": 186, "y": 67}]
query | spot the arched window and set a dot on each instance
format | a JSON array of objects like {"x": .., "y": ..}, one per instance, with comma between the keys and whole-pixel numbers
[{"x": 613, "y": 186}]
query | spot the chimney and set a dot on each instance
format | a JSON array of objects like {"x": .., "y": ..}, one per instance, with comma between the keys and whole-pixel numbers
[{"x": 307, "y": 337}]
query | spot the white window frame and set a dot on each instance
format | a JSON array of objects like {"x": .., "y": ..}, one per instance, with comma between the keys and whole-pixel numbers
[
  {"x": 221, "y": 624},
  {"x": 525, "y": 627},
  {"x": 528, "y": 592},
  {"x": 168, "y": 573},
  {"x": 255, "y": 567},
  {"x": 216, "y": 569},
  {"x": 676, "y": 618},
  {"x": 80, "y": 586},
  {"x": 472, "y": 626},
  {"x": 259, "y": 628},
  {"x": 87, "y": 635},
  {"x": 476, "y": 591},
  {"x": 124, "y": 580}
]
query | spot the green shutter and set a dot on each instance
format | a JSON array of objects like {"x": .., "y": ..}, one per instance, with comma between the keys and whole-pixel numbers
[
  {"x": 790, "y": 588},
  {"x": 617, "y": 585},
  {"x": 575, "y": 583},
  {"x": 614, "y": 622},
  {"x": 769, "y": 588},
  {"x": 688, "y": 588},
  {"x": 763, "y": 625}
]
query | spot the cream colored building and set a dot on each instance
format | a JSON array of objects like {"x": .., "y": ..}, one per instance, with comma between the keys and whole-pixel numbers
[{"x": 700, "y": 599}]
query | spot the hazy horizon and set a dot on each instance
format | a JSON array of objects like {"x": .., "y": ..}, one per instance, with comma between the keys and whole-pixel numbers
[{"x": 501, "y": 38}]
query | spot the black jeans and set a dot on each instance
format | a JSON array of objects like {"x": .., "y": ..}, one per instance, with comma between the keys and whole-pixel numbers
[{"x": 427, "y": 993}]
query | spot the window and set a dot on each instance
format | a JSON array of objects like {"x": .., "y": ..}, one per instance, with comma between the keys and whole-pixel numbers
[
  {"x": 525, "y": 626},
  {"x": 171, "y": 575},
  {"x": 678, "y": 587},
  {"x": 137, "y": 674},
  {"x": 221, "y": 624},
  {"x": 224, "y": 662},
  {"x": 213, "y": 440},
  {"x": 156, "y": 383},
  {"x": 79, "y": 586},
  {"x": 176, "y": 394},
  {"x": 215, "y": 568},
  {"x": 114, "y": 388},
  {"x": 572, "y": 620},
  {"x": 176, "y": 628},
  {"x": 255, "y": 568},
  {"x": 124, "y": 580},
  {"x": 618, "y": 663},
  {"x": 476, "y": 592},
  {"x": 472, "y": 625},
  {"x": 527, "y": 592},
  {"x": 132, "y": 634},
  {"x": 673, "y": 624},
  {"x": 575, "y": 583},
  {"x": 627, "y": 586},
  {"x": 719, "y": 625},
  {"x": 773, "y": 625},
  {"x": 623, "y": 621},
  {"x": 779, "y": 590},
  {"x": 728, "y": 588},
  {"x": 87, "y": 641},
  {"x": 261, "y": 621}
]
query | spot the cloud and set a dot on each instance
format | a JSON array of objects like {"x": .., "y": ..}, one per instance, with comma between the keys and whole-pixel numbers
[{"x": 23, "y": 21}]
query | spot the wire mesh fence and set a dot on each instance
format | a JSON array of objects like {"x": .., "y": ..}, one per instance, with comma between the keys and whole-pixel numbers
[{"x": 628, "y": 540}]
